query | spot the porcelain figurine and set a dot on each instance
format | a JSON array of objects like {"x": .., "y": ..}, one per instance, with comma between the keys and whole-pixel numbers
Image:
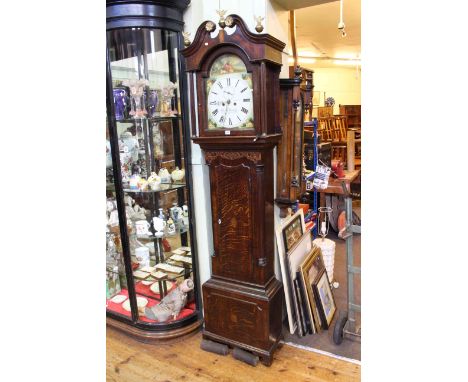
[
  {"x": 168, "y": 95},
  {"x": 134, "y": 180},
  {"x": 129, "y": 201},
  {"x": 175, "y": 212},
  {"x": 172, "y": 304},
  {"x": 113, "y": 219},
  {"x": 171, "y": 228},
  {"x": 164, "y": 175},
  {"x": 159, "y": 225},
  {"x": 129, "y": 144},
  {"x": 177, "y": 175},
  {"x": 142, "y": 184},
  {"x": 154, "y": 181}
]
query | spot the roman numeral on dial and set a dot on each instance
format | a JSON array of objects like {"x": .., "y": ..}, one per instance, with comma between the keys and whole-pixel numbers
[
  {"x": 228, "y": 81},
  {"x": 221, "y": 120},
  {"x": 213, "y": 103},
  {"x": 219, "y": 84},
  {"x": 243, "y": 90},
  {"x": 244, "y": 110},
  {"x": 246, "y": 100},
  {"x": 215, "y": 112}
]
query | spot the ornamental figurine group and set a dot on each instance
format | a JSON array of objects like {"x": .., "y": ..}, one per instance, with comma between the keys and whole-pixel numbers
[
  {"x": 154, "y": 181},
  {"x": 134, "y": 99}
]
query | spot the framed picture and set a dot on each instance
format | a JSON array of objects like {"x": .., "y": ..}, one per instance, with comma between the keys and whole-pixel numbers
[
  {"x": 295, "y": 257},
  {"x": 293, "y": 231},
  {"x": 324, "y": 298},
  {"x": 311, "y": 267},
  {"x": 286, "y": 272},
  {"x": 316, "y": 98}
]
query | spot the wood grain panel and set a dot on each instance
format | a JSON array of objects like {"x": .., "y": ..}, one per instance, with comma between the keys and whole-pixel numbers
[
  {"x": 240, "y": 318},
  {"x": 232, "y": 220}
]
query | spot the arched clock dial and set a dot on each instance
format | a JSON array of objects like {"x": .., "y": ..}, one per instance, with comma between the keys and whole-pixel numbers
[
  {"x": 230, "y": 101},
  {"x": 229, "y": 95}
]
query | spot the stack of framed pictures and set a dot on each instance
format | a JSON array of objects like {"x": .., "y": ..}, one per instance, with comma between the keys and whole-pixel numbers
[{"x": 310, "y": 305}]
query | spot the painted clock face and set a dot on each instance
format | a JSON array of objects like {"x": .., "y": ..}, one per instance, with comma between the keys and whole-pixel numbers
[{"x": 230, "y": 95}]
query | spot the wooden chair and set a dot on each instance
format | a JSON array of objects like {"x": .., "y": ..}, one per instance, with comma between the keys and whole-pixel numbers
[
  {"x": 325, "y": 112},
  {"x": 324, "y": 130},
  {"x": 341, "y": 122}
]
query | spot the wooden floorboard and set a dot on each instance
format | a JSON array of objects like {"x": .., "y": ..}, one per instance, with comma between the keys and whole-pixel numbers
[{"x": 132, "y": 361}]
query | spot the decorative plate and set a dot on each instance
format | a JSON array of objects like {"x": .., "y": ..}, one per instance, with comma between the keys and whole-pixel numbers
[
  {"x": 141, "y": 303},
  {"x": 140, "y": 275},
  {"x": 119, "y": 298},
  {"x": 155, "y": 287}
]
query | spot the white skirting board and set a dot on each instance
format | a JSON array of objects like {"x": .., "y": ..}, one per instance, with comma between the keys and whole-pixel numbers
[{"x": 355, "y": 361}]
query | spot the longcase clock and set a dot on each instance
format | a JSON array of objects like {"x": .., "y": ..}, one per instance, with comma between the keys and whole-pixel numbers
[{"x": 234, "y": 97}]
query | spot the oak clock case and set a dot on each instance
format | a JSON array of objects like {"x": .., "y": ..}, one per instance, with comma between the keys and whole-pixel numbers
[
  {"x": 243, "y": 299},
  {"x": 151, "y": 278}
]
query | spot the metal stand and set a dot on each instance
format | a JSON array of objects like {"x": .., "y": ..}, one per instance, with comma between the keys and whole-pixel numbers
[{"x": 346, "y": 323}]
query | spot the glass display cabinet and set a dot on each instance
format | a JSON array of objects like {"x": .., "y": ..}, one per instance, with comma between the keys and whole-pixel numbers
[{"x": 151, "y": 279}]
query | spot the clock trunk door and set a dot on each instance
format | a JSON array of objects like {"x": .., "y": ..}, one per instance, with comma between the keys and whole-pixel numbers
[{"x": 232, "y": 187}]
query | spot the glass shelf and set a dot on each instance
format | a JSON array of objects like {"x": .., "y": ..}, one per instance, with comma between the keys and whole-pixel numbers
[
  {"x": 163, "y": 188},
  {"x": 151, "y": 119}
]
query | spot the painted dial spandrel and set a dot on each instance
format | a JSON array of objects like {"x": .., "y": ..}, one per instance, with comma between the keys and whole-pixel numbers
[{"x": 230, "y": 94}]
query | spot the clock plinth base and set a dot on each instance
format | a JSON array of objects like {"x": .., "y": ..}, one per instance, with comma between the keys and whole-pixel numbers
[{"x": 244, "y": 316}]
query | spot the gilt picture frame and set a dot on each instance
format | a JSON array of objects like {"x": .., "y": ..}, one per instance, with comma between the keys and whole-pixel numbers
[
  {"x": 324, "y": 298},
  {"x": 310, "y": 269}
]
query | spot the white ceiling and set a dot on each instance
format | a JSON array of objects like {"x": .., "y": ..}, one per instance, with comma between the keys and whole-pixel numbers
[
  {"x": 296, "y": 4},
  {"x": 317, "y": 33}
]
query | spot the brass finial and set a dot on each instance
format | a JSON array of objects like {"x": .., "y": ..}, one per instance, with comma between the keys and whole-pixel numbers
[
  {"x": 229, "y": 21},
  {"x": 259, "y": 26},
  {"x": 210, "y": 26},
  {"x": 186, "y": 38},
  {"x": 222, "y": 20}
]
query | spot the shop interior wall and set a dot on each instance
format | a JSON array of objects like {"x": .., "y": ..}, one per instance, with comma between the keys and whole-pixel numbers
[{"x": 341, "y": 83}]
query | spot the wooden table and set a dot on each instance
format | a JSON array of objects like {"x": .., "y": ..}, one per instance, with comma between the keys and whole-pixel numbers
[
  {"x": 334, "y": 187},
  {"x": 334, "y": 184}
]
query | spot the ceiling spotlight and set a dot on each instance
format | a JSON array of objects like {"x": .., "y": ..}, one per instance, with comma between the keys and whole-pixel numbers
[{"x": 341, "y": 24}]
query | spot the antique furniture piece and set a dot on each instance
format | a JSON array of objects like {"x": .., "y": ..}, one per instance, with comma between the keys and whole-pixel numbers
[
  {"x": 353, "y": 112},
  {"x": 296, "y": 119},
  {"x": 150, "y": 232},
  {"x": 325, "y": 111},
  {"x": 236, "y": 121},
  {"x": 289, "y": 163},
  {"x": 307, "y": 88}
]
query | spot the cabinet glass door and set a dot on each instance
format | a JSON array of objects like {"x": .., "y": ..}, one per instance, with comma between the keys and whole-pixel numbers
[
  {"x": 116, "y": 281},
  {"x": 145, "y": 81}
]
